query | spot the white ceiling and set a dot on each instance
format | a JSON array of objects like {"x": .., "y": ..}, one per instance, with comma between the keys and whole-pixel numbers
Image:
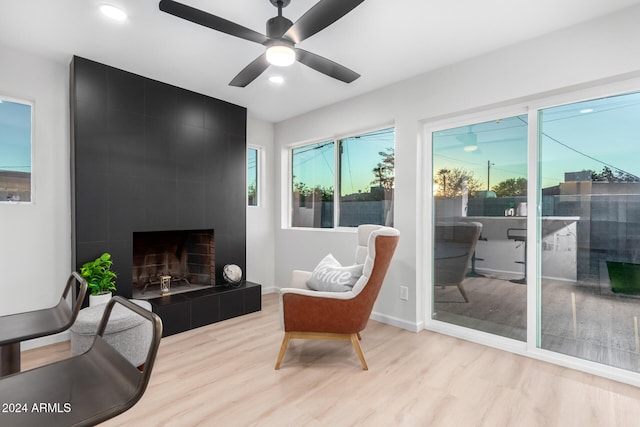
[{"x": 385, "y": 41}]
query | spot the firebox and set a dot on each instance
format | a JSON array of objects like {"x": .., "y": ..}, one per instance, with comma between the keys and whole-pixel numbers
[{"x": 171, "y": 262}]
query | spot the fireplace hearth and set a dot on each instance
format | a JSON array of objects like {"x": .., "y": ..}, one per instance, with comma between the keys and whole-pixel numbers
[{"x": 172, "y": 262}]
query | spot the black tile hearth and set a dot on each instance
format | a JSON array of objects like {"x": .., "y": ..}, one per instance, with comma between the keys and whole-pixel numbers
[{"x": 195, "y": 309}]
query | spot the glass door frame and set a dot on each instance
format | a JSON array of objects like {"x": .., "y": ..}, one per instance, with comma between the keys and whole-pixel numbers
[{"x": 425, "y": 269}]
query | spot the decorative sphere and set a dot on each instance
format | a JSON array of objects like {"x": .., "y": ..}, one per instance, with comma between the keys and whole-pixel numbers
[{"x": 232, "y": 273}]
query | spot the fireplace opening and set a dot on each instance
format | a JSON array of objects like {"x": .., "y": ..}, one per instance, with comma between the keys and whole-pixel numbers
[{"x": 172, "y": 262}]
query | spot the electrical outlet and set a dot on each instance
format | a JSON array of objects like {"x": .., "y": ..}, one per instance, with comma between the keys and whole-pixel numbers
[{"x": 404, "y": 293}]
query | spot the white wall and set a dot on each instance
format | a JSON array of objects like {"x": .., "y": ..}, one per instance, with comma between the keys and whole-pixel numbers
[
  {"x": 35, "y": 239},
  {"x": 260, "y": 219},
  {"x": 602, "y": 49}
]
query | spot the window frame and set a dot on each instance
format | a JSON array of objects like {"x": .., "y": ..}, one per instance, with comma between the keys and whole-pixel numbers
[
  {"x": 335, "y": 139},
  {"x": 425, "y": 188},
  {"x": 32, "y": 187},
  {"x": 259, "y": 175},
  {"x": 427, "y": 267}
]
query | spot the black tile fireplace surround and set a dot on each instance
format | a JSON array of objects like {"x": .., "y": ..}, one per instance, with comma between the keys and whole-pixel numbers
[{"x": 147, "y": 156}]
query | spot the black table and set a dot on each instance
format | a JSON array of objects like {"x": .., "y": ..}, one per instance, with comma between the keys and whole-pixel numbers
[{"x": 19, "y": 327}]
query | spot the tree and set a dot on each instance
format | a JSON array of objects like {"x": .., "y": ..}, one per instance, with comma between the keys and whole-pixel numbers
[
  {"x": 511, "y": 187},
  {"x": 607, "y": 175},
  {"x": 252, "y": 193},
  {"x": 383, "y": 171},
  {"x": 324, "y": 194},
  {"x": 451, "y": 182},
  {"x": 301, "y": 188}
]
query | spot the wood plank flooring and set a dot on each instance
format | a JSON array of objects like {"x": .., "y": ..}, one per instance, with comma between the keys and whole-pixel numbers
[
  {"x": 495, "y": 305},
  {"x": 604, "y": 329},
  {"x": 222, "y": 375}
]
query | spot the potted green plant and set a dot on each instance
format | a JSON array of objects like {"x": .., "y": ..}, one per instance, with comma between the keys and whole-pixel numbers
[{"x": 101, "y": 281}]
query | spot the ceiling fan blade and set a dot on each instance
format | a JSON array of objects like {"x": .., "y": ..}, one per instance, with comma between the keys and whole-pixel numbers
[
  {"x": 251, "y": 71},
  {"x": 326, "y": 66},
  {"x": 320, "y": 16},
  {"x": 198, "y": 16}
]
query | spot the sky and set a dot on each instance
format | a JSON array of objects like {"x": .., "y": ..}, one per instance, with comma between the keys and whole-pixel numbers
[
  {"x": 15, "y": 136},
  {"x": 574, "y": 137},
  {"x": 591, "y": 135},
  {"x": 252, "y": 167},
  {"x": 314, "y": 164},
  {"x": 500, "y": 144}
]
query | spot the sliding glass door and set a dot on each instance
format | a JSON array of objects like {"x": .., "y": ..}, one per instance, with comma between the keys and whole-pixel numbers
[
  {"x": 583, "y": 266},
  {"x": 589, "y": 179},
  {"x": 480, "y": 228}
]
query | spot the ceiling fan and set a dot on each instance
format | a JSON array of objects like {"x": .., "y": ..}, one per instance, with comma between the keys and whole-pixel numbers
[{"x": 282, "y": 36}]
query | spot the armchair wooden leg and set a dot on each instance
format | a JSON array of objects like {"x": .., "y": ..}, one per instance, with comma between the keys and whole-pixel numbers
[
  {"x": 356, "y": 346},
  {"x": 463, "y": 292},
  {"x": 283, "y": 348}
]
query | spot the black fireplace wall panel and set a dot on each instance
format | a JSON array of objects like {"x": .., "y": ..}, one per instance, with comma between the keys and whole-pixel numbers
[{"x": 148, "y": 156}]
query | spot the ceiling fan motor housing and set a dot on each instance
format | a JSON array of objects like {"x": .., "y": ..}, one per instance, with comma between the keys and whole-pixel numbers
[
  {"x": 284, "y": 3},
  {"x": 277, "y": 26}
]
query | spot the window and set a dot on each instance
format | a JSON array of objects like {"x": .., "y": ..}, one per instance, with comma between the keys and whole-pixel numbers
[
  {"x": 363, "y": 185},
  {"x": 480, "y": 230},
  {"x": 313, "y": 182},
  {"x": 253, "y": 156},
  {"x": 367, "y": 179},
  {"x": 15, "y": 151}
]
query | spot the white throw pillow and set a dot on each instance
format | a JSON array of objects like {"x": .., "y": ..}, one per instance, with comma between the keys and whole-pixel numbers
[{"x": 330, "y": 276}]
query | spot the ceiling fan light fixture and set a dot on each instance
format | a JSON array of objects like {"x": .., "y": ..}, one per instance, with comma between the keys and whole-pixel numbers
[
  {"x": 469, "y": 141},
  {"x": 281, "y": 55},
  {"x": 113, "y": 12}
]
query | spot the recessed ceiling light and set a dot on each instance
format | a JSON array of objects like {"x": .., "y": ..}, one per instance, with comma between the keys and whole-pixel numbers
[
  {"x": 586, "y": 110},
  {"x": 276, "y": 79},
  {"x": 113, "y": 12}
]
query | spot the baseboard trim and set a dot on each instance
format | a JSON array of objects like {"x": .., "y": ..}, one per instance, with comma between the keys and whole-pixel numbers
[
  {"x": 397, "y": 322},
  {"x": 41, "y": 342}
]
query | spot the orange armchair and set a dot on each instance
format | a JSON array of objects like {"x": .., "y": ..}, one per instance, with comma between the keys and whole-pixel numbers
[{"x": 309, "y": 314}]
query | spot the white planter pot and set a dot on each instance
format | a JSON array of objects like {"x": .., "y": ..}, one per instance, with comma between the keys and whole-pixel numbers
[{"x": 99, "y": 299}]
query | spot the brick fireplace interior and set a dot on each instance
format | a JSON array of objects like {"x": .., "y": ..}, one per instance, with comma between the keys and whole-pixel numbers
[{"x": 187, "y": 256}]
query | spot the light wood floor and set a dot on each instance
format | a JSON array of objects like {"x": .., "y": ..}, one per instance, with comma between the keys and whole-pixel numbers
[{"x": 222, "y": 375}]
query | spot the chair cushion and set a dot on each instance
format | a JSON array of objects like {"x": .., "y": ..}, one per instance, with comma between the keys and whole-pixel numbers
[
  {"x": 121, "y": 319},
  {"x": 127, "y": 332},
  {"x": 330, "y": 276}
]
